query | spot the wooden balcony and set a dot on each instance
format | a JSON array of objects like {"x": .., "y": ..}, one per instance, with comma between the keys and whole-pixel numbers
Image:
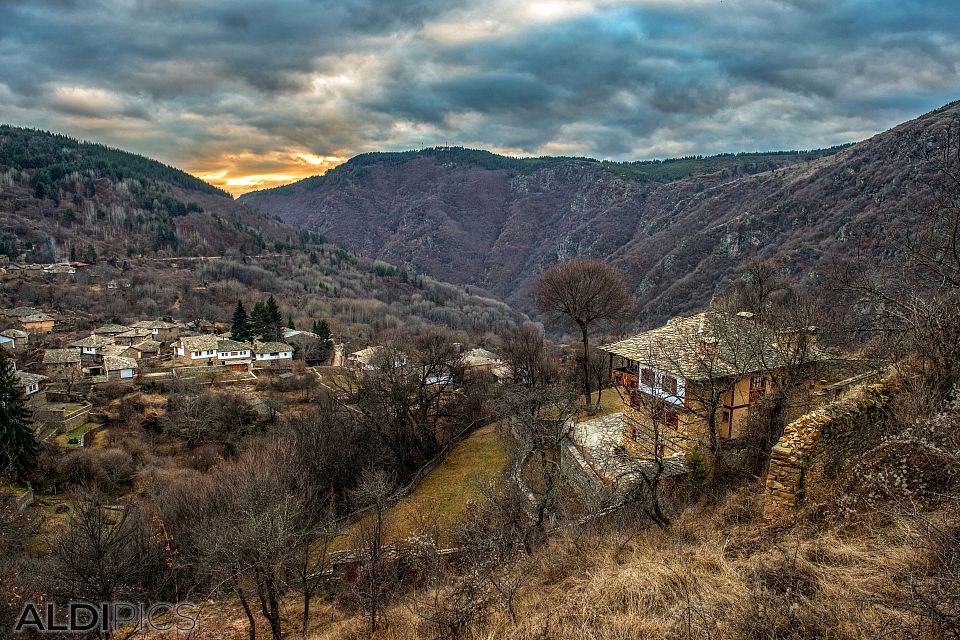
[{"x": 624, "y": 377}]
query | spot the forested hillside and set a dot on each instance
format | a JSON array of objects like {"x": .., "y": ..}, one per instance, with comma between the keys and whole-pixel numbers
[
  {"x": 60, "y": 196},
  {"x": 679, "y": 229}
]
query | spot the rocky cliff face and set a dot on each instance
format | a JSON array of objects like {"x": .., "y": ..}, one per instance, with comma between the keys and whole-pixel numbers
[{"x": 496, "y": 224}]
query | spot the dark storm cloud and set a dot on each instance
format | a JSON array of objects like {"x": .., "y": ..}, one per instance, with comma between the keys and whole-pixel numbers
[{"x": 222, "y": 86}]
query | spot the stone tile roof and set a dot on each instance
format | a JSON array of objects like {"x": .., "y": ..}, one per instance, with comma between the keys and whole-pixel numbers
[
  {"x": 17, "y": 334},
  {"x": 206, "y": 342},
  {"x": 710, "y": 345},
  {"x": 61, "y": 356},
  {"x": 111, "y": 329},
  {"x": 148, "y": 346},
  {"x": 36, "y": 317},
  {"x": 365, "y": 356},
  {"x": 135, "y": 333},
  {"x": 480, "y": 357},
  {"x": 29, "y": 378},
  {"x": 153, "y": 324},
  {"x": 271, "y": 347},
  {"x": 19, "y": 312},
  {"x": 115, "y": 349},
  {"x": 116, "y": 363},
  {"x": 95, "y": 341},
  {"x": 225, "y": 344}
]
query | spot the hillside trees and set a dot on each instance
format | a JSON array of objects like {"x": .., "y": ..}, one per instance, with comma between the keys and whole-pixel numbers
[{"x": 585, "y": 292}]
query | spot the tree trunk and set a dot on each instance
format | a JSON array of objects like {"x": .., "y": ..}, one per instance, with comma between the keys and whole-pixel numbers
[
  {"x": 586, "y": 364},
  {"x": 251, "y": 623}
]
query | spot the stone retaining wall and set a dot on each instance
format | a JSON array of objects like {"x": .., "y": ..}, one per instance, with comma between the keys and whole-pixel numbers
[{"x": 818, "y": 445}]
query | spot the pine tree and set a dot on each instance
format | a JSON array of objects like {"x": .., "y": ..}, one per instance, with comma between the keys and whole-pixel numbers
[
  {"x": 290, "y": 324},
  {"x": 18, "y": 445},
  {"x": 91, "y": 255},
  {"x": 240, "y": 328},
  {"x": 260, "y": 321},
  {"x": 275, "y": 325},
  {"x": 322, "y": 329}
]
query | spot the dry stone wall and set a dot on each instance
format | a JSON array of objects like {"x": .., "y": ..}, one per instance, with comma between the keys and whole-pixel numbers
[{"x": 817, "y": 446}]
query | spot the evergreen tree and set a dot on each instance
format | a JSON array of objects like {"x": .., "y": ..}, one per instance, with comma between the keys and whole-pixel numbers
[
  {"x": 322, "y": 329},
  {"x": 91, "y": 255},
  {"x": 240, "y": 328},
  {"x": 260, "y": 321},
  {"x": 275, "y": 320},
  {"x": 290, "y": 322},
  {"x": 18, "y": 445}
]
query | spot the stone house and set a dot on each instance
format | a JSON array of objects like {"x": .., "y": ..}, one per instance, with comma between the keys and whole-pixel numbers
[
  {"x": 119, "y": 367},
  {"x": 62, "y": 363},
  {"x": 15, "y": 339},
  {"x": 111, "y": 330},
  {"x": 708, "y": 367},
  {"x": 145, "y": 349},
  {"x": 38, "y": 323},
  {"x": 33, "y": 385},
  {"x": 480, "y": 360},
  {"x": 160, "y": 330},
  {"x": 196, "y": 350},
  {"x": 234, "y": 354},
  {"x": 92, "y": 347},
  {"x": 272, "y": 354},
  {"x": 133, "y": 336}
]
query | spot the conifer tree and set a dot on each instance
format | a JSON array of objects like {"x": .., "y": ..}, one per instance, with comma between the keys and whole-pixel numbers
[
  {"x": 18, "y": 445},
  {"x": 322, "y": 329},
  {"x": 290, "y": 324},
  {"x": 240, "y": 328},
  {"x": 260, "y": 321}
]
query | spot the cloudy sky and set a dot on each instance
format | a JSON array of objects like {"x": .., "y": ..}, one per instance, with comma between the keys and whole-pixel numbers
[{"x": 250, "y": 94}]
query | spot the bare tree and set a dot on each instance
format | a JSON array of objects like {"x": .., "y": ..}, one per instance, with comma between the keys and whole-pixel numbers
[
  {"x": 375, "y": 580},
  {"x": 585, "y": 292}
]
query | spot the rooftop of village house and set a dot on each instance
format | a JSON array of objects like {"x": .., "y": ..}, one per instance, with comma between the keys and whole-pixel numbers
[{"x": 714, "y": 344}]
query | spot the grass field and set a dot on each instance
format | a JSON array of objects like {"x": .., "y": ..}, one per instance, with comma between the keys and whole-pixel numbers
[
  {"x": 441, "y": 499},
  {"x": 77, "y": 433}
]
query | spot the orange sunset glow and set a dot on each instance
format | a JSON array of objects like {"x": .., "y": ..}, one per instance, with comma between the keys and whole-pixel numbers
[{"x": 240, "y": 173}]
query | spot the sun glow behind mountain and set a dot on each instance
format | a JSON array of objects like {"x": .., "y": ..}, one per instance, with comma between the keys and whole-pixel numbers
[{"x": 240, "y": 174}]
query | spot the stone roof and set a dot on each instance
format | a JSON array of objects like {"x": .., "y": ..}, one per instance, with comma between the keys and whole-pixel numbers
[
  {"x": 297, "y": 333},
  {"x": 480, "y": 357},
  {"x": 224, "y": 344},
  {"x": 115, "y": 349},
  {"x": 29, "y": 378},
  {"x": 148, "y": 346},
  {"x": 61, "y": 356},
  {"x": 135, "y": 333},
  {"x": 36, "y": 317},
  {"x": 711, "y": 345},
  {"x": 206, "y": 342},
  {"x": 366, "y": 355},
  {"x": 116, "y": 363},
  {"x": 95, "y": 341},
  {"x": 17, "y": 334},
  {"x": 111, "y": 329},
  {"x": 153, "y": 324},
  {"x": 18, "y": 312},
  {"x": 271, "y": 347}
]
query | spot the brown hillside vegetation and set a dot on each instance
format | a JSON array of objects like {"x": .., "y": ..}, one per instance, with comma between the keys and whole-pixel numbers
[{"x": 496, "y": 222}]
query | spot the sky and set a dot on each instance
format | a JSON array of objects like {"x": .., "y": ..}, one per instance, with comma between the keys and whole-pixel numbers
[{"x": 252, "y": 94}]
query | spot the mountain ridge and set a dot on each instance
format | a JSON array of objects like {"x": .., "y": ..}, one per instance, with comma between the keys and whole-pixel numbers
[{"x": 677, "y": 241}]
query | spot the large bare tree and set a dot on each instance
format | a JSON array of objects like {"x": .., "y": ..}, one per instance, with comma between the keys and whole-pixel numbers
[{"x": 585, "y": 292}]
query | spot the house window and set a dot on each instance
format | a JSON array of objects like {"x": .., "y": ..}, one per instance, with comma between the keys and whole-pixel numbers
[
  {"x": 633, "y": 433},
  {"x": 758, "y": 382},
  {"x": 669, "y": 385},
  {"x": 646, "y": 377},
  {"x": 725, "y": 417},
  {"x": 672, "y": 419}
]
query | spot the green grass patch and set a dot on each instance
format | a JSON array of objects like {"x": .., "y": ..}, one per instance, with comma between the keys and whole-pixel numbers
[
  {"x": 441, "y": 499},
  {"x": 74, "y": 437}
]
